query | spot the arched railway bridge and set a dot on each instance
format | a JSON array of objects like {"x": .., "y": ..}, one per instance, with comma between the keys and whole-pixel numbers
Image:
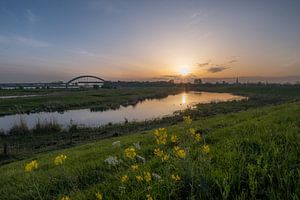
[{"x": 100, "y": 80}]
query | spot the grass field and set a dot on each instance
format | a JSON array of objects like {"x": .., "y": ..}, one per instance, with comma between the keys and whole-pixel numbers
[
  {"x": 251, "y": 154},
  {"x": 61, "y": 99},
  {"x": 23, "y": 143}
]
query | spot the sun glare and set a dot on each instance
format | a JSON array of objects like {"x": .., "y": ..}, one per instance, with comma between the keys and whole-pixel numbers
[{"x": 184, "y": 71}]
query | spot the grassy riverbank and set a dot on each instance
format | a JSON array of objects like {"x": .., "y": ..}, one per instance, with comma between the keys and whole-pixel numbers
[
  {"x": 22, "y": 143},
  {"x": 249, "y": 154},
  {"x": 62, "y": 99}
]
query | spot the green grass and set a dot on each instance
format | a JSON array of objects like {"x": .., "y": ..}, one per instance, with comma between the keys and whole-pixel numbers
[
  {"x": 63, "y": 99},
  {"x": 254, "y": 154}
]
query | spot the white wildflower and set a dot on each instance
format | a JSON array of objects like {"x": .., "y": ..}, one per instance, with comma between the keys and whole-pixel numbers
[
  {"x": 156, "y": 176},
  {"x": 116, "y": 144},
  {"x": 112, "y": 160},
  {"x": 137, "y": 145},
  {"x": 140, "y": 158},
  {"x": 122, "y": 189}
]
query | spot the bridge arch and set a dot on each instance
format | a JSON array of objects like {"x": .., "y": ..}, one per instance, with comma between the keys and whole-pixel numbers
[{"x": 101, "y": 80}]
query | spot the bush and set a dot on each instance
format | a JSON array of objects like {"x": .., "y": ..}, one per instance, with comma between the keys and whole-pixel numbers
[
  {"x": 47, "y": 127},
  {"x": 19, "y": 129}
]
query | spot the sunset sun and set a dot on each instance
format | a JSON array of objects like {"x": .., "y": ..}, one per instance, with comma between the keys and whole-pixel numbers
[{"x": 184, "y": 70}]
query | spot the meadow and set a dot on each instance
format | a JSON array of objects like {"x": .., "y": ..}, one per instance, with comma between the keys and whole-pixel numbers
[
  {"x": 251, "y": 154},
  {"x": 50, "y": 100},
  {"x": 245, "y": 149},
  {"x": 22, "y": 143}
]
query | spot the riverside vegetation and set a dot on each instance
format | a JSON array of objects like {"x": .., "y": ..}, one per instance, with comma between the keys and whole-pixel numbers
[
  {"x": 22, "y": 142},
  {"x": 245, "y": 155},
  {"x": 50, "y": 100},
  {"x": 230, "y": 150}
]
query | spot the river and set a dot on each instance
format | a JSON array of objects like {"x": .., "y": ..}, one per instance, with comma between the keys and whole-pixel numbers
[{"x": 144, "y": 110}]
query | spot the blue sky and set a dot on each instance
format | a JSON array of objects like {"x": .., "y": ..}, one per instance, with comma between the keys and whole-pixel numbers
[{"x": 55, "y": 40}]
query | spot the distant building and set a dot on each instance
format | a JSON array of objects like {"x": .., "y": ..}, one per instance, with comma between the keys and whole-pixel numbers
[{"x": 237, "y": 81}]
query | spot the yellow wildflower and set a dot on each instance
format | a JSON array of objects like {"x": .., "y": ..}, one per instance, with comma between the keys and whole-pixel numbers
[
  {"x": 31, "y": 166},
  {"x": 179, "y": 152},
  {"x": 165, "y": 157},
  {"x": 175, "y": 177},
  {"x": 158, "y": 152},
  {"x": 198, "y": 137},
  {"x": 134, "y": 167},
  {"x": 147, "y": 176},
  {"x": 158, "y": 132},
  {"x": 192, "y": 131},
  {"x": 99, "y": 196},
  {"x": 205, "y": 148},
  {"x": 130, "y": 152},
  {"x": 161, "y": 136},
  {"x": 174, "y": 138},
  {"x": 60, "y": 159},
  {"x": 124, "y": 179},
  {"x": 139, "y": 178},
  {"x": 187, "y": 120},
  {"x": 66, "y": 198},
  {"x": 148, "y": 196}
]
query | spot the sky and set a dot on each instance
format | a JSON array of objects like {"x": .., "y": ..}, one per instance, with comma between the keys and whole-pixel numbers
[{"x": 52, "y": 40}]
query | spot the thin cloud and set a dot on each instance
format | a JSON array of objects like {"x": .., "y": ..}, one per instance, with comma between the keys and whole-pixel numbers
[
  {"x": 217, "y": 69},
  {"x": 85, "y": 52},
  {"x": 21, "y": 40},
  {"x": 232, "y": 61},
  {"x": 30, "y": 42},
  {"x": 203, "y": 64},
  {"x": 31, "y": 17},
  {"x": 174, "y": 77},
  {"x": 197, "y": 17}
]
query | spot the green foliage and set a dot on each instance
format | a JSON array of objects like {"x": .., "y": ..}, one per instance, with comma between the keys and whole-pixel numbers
[
  {"x": 65, "y": 99},
  {"x": 253, "y": 154}
]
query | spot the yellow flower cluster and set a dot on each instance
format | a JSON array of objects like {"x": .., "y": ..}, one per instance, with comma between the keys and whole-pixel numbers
[
  {"x": 196, "y": 136},
  {"x": 160, "y": 153},
  {"x": 130, "y": 152},
  {"x": 139, "y": 178},
  {"x": 175, "y": 177},
  {"x": 59, "y": 160},
  {"x": 134, "y": 167},
  {"x": 99, "y": 196},
  {"x": 161, "y": 136},
  {"x": 205, "y": 148},
  {"x": 179, "y": 152},
  {"x": 31, "y": 166},
  {"x": 145, "y": 177},
  {"x": 174, "y": 138},
  {"x": 192, "y": 132},
  {"x": 66, "y": 198},
  {"x": 187, "y": 120},
  {"x": 124, "y": 179},
  {"x": 148, "y": 196}
]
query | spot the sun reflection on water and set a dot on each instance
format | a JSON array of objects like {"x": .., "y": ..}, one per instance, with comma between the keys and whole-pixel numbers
[{"x": 183, "y": 98}]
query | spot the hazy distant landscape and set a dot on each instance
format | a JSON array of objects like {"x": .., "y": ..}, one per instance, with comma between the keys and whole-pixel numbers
[{"x": 149, "y": 100}]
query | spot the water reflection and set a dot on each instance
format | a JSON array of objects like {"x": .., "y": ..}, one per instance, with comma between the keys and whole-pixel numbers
[
  {"x": 183, "y": 98},
  {"x": 145, "y": 110}
]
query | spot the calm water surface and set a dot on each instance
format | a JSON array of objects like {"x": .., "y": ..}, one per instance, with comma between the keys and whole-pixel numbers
[
  {"x": 18, "y": 96},
  {"x": 145, "y": 110}
]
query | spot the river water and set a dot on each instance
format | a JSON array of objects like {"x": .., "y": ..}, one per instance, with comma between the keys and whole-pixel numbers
[{"x": 144, "y": 110}]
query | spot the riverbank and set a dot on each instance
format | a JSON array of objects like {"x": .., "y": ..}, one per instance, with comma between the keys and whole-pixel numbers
[
  {"x": 144, "y": 110},
  {"x": 95, "y": 99},
  {"x": 24, "y": 143},
  {"x": 238, "y": 156}
]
